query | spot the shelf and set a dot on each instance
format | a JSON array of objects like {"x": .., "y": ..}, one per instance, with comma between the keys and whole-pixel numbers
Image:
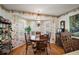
[{"x": 5, "y": 36}]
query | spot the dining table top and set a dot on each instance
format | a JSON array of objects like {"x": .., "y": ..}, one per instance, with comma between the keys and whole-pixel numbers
[{"x": 37, "y": 39}]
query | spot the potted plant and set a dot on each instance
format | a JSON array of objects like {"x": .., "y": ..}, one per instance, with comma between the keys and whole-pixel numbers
[{"x": 28, "y": 29}]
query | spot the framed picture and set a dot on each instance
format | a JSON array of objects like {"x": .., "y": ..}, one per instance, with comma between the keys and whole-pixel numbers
[{"x": 74, "y": 25}]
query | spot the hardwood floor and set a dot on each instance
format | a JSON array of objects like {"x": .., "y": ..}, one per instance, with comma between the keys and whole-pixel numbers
[
  {"x": 52, "y": 50},
  {"x": 56, "y": 50}
]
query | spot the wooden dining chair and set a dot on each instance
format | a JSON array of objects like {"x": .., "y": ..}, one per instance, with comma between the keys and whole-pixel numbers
[
  {"x": 43, "y": 44},
  {"x": 28, "y": 42},
  {"x": 43, "y": 47},
  {"x": 38, "y": 33}
]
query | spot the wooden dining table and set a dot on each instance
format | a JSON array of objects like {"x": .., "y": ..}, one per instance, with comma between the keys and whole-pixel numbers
[{"x": 37, "y": 40}]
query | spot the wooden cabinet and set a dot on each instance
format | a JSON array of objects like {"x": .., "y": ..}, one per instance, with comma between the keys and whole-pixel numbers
[{"x": 58, "y": 40}]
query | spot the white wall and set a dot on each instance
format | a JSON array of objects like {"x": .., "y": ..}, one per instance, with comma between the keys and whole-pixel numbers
[{"x": 66, "y": 18}]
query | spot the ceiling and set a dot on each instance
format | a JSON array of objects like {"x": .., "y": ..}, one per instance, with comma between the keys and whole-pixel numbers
[{"x": 49, "y": 9}]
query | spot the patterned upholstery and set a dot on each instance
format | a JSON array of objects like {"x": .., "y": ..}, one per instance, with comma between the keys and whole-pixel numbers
[{"x": 67, "y": 41}]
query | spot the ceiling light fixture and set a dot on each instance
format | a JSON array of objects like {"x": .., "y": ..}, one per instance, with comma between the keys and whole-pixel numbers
[{"x": 38, "y": 19}]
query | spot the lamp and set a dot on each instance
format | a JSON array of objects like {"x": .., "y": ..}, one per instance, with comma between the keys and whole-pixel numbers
[
  {"x": 38, "y": 23},
  {"x": 38, "y": 19}
]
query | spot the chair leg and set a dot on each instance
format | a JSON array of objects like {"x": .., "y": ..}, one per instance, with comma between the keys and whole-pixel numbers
[
  {"x": 26, "y": 48},
  {"x": 46, "y": 51}
]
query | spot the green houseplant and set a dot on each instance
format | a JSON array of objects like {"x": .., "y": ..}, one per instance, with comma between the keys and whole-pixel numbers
[{"x": 28, "y": 29}]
